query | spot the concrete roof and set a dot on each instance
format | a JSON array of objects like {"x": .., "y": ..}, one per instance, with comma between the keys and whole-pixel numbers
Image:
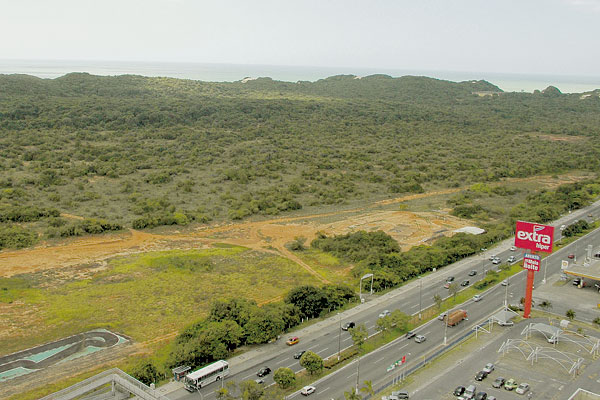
[{"x": 589, "y": 270}]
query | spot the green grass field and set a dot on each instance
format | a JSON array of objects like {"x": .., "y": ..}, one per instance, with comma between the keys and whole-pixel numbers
[{"x": 143, "y": 296}]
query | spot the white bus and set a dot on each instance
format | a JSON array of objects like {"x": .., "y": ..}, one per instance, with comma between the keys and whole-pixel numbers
[{"x": 202, "y": 377}]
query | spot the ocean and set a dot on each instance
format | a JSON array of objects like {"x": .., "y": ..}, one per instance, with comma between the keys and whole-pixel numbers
[{"x": 235, "y": 72}]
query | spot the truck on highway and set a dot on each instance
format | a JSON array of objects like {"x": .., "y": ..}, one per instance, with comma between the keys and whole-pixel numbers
[{"x": 455, "y": 317}]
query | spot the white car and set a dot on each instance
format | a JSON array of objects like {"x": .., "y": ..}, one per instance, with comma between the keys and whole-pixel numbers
[
  {"x": 306, "y": 390},
  {"x": 477, "y": 297},
  {"x": 505, "y": 282},
  {"x": 511, "y": 259},
  {"x": 513, "y": 248},
  {"x": 496, "y": 261},
  {"x": 493, "y": 257},
  {"x": 420, "y": 338},
  {"x": 489, "y": 367},
  {"x": 385, "y": 313},
  {"x": 523, "y": 388}
]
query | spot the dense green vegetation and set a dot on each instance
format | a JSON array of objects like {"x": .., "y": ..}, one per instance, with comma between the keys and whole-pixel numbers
[
  {"x": 376, "y": 251},
  {"x": 144, "y": 152}
]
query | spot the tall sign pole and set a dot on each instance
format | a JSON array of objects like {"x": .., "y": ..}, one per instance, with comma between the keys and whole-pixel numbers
[{"x": 534, "y": 237}]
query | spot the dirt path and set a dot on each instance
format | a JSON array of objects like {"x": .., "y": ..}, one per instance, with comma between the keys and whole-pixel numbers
[{"x": 409, "y": 228}]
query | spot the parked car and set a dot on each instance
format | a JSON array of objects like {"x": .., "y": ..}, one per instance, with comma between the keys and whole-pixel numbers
[
  {"x": 469, "y": 392},
  {"x": 511, "y": 259},
  {"x": 489, "y": 367},
  {"x": 459, "y": 391},
  {"x": 562, "y": 227},
  {"x": 523, "y": 388},
  {"x": 420, "y": 338},
  {"x": 410, "y": 334},
  {"x": 299, "y": 354},
  {"x": 483, "y": 249},
  {"x": 499, "y": 382},
  {"x": 293, "y": 340},
  {"x": 306, "y": 390},
  {"x": 510, "y": 384},
  {"x": 348, "y": 325},
  {"x": 473, "y": 273},
  {"x": 477, "y": 297},
  {"x": 385, "y": 313},
  {"x": 481, "y": 396},
  {"x": 577, "y": 281},
  {"x": 513, "y": 248},
  {"x": 263, "y": 372},
  {"x": 465, "y": 283},
  {"x": 571, "y": 256},
  {"x": 481, "y": 375}
]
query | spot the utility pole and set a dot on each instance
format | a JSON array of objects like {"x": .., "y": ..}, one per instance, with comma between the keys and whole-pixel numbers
[
  {"x": 357, "y": 373},
  {"x": 506, "y": 293},
  {"x": 446, "y": 325},
  {"x": 545, "y": 268}
]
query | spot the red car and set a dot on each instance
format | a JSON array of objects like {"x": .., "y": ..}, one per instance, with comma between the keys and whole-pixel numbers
[{"x": 571, "y": 256}]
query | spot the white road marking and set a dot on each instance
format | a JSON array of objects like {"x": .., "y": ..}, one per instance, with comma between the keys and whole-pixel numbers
[
  {"x": 372, "y": 326},
  {"x": 381, "y": 359},
  {"x": 285, "y": 359},
  {"x": 349, "y": 338},
  {"x": 291, "y": 365},
  {"x": 321, "y": 391},
  {"x": 415, "y": 306},
  {"x": 316, "y": 345},
  {"x": 320, "y": 351},
  {"x": 246, "y": 377}
]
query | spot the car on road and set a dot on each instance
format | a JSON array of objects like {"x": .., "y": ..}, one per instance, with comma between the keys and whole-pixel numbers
[
  {"x": 299, "y": 354},
  {"x": 513, "y": 248},
  {"x": 562, "y": 227},
  {"x": 510, "y": 384},
  {"x": 306, "y": 390},
  {"x": 492, "y": 398},
  {"x": 481, "y": 375},
  {"x": 399, "y": 394},
  {"x": 459, "y": 391},
  {"x": 450, "y": 279},
  {"x": 523, "y": 388},
  {"x": 477, "y": 297},
  {"x": 410, "y": 334},
  {"x": 420, "y": 338},
  {"x": 385, "y": 313},
  {"x": 597, "y": 255},
  {"x": 473, "y": 273},
  {"x": 571, "y": 256},
  {"x": 465, "y": 283},
  {"x": 511, "y": 259},
  {"x": 442, "y": 315},
  {"x": 481, "y": 396},
  {"x": 292, "y": 341},
  {"x": 577, "y": 281},
  {"x": 496, "y": 261},
  {"x": 348, "y": 325},
  {"x": 493, "y": 257},
  {"x": 505, "y": 282},
  {"x": 264, "y": 371},
  {"x": 499, "y": 382},
  {"x": 489, "y": 367},
  {"x": 259, "y": 381}
]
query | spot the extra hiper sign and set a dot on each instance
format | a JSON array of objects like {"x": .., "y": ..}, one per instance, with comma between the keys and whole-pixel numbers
[
  {"x": 534, "y": 237},
  {"x": 531, "y": 262}
]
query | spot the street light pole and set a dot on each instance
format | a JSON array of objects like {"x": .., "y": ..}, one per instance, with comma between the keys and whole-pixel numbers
[
  {"x": 357, "y": 373},
  {"x": 545, "y": 268},
  {"x": 340, "y": 337},
  {"x": 446, "y": 325},
  {"x": 506, "y": 293},
  {"x": 420, "y": 289}
]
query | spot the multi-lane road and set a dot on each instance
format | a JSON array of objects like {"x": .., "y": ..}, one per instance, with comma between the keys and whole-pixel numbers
[{"x": 328, "y": 338}]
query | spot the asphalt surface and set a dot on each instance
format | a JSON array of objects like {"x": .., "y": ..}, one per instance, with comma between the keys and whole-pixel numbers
[{"x": 326, "y": 338}]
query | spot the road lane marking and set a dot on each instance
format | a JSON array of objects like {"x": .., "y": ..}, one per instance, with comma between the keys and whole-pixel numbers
[
  {"x": 415, "y": 306},
  {"x": 321, "y": 391},
  {"x": 350, "y": 338},
  {"x": 373, "y": 326},
  {"x": 381, "y": 359},
  {"x": 320, "y": 351},
  {"x": 291, "y": 365},
  {"x": 316, "y": 345},
  {"x": 246, "y": 377},
  {"x": 285, "y": 359}
]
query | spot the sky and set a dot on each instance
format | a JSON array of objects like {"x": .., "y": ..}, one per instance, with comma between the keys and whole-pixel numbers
[{"x": 556, "y": 37}]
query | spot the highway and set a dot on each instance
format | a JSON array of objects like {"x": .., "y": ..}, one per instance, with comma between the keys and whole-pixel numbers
[{"x": 328, "y": 338}]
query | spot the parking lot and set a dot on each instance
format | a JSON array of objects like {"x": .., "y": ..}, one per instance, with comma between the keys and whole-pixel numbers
[{"x": 548, "y": 376}]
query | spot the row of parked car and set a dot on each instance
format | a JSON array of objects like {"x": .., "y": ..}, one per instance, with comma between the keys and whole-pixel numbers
[{"x": 470, "y": 392}]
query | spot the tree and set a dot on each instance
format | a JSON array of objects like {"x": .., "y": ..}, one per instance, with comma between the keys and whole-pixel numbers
[
  {"x": 570, "y": 314},
  {"x": 312, "y": 362},
  {"x": 352, "y": 394},
  {"x": 284, "y": 377},
  {"x": 263, "y": 326},
  {"x": 146, "y": 372},
  {"x": 384, "y": 324},
  {"x": 359, "y": 335},
  {"x": 310, "y": 300},
  {"x": 596, "y": 321},
  {"x": 251, "y": 390},
  {"x": 546, "y": 305},
  {"x": 437, "y": 299},
  {"x": 400, "y": 320},
  {"x": 297, "y": 244},
  {"x": 368, "y": 388},
  {"x": 453, "y": 289}
]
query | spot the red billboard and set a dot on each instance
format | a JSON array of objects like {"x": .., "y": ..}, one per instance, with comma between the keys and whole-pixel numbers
[
  {"x": 531, "y": 262},
  {"x": 534, "y": 237}
]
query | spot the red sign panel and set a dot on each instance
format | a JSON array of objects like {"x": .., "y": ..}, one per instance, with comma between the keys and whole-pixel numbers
[
  {"x": 531, "y": 262},
  {"x": 534, "y": 237}
]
